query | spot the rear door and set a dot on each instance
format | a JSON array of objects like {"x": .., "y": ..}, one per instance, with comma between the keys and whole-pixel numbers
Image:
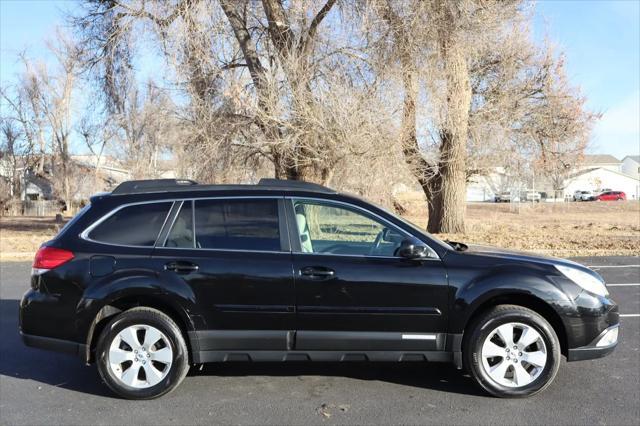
[
  {"x": 234, "y": 254},
  {"x": 353, "y": 292}
]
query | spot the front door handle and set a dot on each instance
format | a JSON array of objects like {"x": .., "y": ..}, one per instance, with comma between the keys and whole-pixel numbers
[
  {"x": 181, "y": 267},
  {"x": 317, "y": 271}
]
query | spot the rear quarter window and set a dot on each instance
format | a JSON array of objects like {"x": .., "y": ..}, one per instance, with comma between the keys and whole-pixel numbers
[
  {"x": 74, "y": 219},
  {"x": 136, "y": 225}
]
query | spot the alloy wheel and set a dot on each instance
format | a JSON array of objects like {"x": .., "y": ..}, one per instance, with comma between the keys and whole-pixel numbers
[
  {"x": 140, "y": 356},
  {"x": 514, "y": 355}
]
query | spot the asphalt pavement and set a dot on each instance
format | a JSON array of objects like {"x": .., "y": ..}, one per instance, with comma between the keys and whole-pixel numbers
[{"x": 40, "y": 387}]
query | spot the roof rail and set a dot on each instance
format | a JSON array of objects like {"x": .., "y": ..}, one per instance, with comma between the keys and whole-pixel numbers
[
  {"x": 295, "y": 184},
  {"x": 151, "y": 185}
]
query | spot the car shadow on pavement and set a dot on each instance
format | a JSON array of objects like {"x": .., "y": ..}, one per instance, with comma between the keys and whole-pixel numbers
[
  {"x": 21, "y": 362},
  {"x": 434, "y": 376}
]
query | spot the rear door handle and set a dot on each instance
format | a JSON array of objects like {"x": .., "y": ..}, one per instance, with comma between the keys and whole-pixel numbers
[
  {"x": 317, "y": 271},
  {"x": 181, "y": 267}
]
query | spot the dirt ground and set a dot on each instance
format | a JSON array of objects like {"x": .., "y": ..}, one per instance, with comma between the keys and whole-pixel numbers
[{"x": 559, "y": 229}]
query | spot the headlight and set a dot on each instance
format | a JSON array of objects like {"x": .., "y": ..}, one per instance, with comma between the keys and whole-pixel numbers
[{"x": 584, "y": 280}]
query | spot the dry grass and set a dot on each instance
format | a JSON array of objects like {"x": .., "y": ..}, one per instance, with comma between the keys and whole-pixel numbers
[
  {"x": 559, "y": 229},
  {"x": 562, "y": 229},
  {"x": 20, "y": 237}
]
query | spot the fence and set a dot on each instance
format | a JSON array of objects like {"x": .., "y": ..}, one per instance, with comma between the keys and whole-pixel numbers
[{"x": 38, "y": 208}]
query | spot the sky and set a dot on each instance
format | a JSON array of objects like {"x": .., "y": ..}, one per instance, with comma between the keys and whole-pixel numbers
[{"x": 600, "y": 40}]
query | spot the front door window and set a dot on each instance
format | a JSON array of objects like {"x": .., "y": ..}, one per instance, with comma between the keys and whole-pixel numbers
[{"x": 333, "y": 229}]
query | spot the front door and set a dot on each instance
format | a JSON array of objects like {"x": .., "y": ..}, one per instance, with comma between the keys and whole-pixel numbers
[
  {"x": 234, "y": 255},
  {"x": 353, "y": 292}
]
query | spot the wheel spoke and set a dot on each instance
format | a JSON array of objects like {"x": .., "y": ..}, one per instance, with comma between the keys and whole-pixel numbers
[
  {"x": 490, "y": 350},
  {"x": 153, "y": 374},
  {"x": 537, "y": 359},
  {"x": 118, "y": 356},
  {"x": 499, "y": 370},
  {"x": 529, "y": 336},
  {"x": 505, "y": 332},
  {"x": 130, "y": 376},
  {"x": 522, "y": 377},
  {"x": 151, "y": 336},
  {"x": 130, "y": 336},
  {"x": 164, "y": 355}
]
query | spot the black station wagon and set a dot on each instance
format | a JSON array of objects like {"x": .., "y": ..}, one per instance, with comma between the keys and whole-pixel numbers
[{"x": 163, "y": 274}]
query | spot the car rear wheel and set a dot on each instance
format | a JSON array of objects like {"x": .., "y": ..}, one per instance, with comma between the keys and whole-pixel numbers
[
  {"x": 141, "y": 354},
  {"x": 511, "y": 351}
]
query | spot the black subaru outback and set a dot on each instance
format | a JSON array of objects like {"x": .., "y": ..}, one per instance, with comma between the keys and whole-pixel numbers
[{"x": 160, "y": 275}]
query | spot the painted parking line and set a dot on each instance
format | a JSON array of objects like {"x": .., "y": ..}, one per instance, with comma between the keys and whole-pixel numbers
[
  {"x": 629, "y": 315},
  {"x": 613, "y": 266},
  {"x": 623, "y": 285}
]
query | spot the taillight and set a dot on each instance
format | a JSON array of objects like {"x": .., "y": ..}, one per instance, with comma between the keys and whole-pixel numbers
[{"x": 51, "y": 257}]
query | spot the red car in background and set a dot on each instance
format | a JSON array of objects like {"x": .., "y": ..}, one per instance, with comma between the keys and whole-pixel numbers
[{"x": 611, "y": 196}]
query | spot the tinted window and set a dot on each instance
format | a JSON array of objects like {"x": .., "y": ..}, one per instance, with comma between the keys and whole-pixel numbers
[
  {"x": 136, "y": 225},
  {"x": 75, "y": 219},
  {"x": 181, "y": 234},
  {"x": 237, "y": 224},
  {"x": 327, "y": 228}
]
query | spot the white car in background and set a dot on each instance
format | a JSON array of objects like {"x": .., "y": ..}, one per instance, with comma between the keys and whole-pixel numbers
[
  {"x": 583, "y": 195},
  {"x": 506, "y": 197},
  {"x": 532, "y": 196}
]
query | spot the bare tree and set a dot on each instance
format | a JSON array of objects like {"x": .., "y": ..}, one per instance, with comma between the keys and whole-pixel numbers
[
  {"x": 13, "y": 149},
  {"x": 279, "y": 47}
]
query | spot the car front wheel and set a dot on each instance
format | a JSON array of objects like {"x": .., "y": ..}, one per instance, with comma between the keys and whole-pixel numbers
[
  {"x": 511, "y": 351},
  {"x": 141, "y": 354}
]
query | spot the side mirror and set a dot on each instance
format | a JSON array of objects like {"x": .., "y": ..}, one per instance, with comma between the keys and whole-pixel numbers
[{"x": 412, "y": 248}]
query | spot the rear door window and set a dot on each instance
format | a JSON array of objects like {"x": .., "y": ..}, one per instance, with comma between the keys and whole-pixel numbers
[
  {"x": 241, "y": 224},
  {"x": 136, "y": 225}
]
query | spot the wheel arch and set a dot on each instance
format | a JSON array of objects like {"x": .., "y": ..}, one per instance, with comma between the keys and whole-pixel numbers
[
  {"x": 120, "y": 304},
  {"x": 529, "y": 301}
]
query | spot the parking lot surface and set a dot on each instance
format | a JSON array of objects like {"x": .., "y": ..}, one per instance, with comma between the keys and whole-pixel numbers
[{"x": 39, "y": 387}]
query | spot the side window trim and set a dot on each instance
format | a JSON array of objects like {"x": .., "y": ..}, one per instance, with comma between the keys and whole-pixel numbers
[
  {"x": 295, "y": 235},
  {"x": 168, "y": 223},
  {"x": 166, "y": 229},
  {"x": 283, "y": 223},
  {"x": 85, "y": 234}
]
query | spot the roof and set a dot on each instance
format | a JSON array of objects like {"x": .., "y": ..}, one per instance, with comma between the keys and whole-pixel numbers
[
  {"x": 181, "y": 185},
  {"x": 592, "y": 169},
  {"x": 635, "y": 158},
  {"x": 600, "y": 159}
]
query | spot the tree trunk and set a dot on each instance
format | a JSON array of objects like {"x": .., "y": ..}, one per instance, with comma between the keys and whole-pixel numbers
[{"x": 449, "y": 210}]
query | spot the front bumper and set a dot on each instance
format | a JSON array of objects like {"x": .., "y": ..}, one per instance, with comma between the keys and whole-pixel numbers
[{"x": 592, "y": 350}]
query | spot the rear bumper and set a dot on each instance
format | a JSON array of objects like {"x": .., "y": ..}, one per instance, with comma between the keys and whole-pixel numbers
[
  {"x": 592, "y": 351},
  {"x": 56, "y": 345}
]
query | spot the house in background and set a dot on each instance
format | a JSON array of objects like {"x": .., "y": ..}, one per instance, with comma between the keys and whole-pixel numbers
[
  {"x": 631, "y": 165},
  {"x": 595, "y": 173},
  {"x": 35, "y": 187},
  {"x": 600, "y": 161},
  {"x": 600, "y": 179}
]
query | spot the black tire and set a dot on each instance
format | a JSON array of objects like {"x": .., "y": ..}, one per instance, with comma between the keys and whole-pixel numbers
[
  {"x": 151, "y": 317},
  {"x": 480, "y": 329}
]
